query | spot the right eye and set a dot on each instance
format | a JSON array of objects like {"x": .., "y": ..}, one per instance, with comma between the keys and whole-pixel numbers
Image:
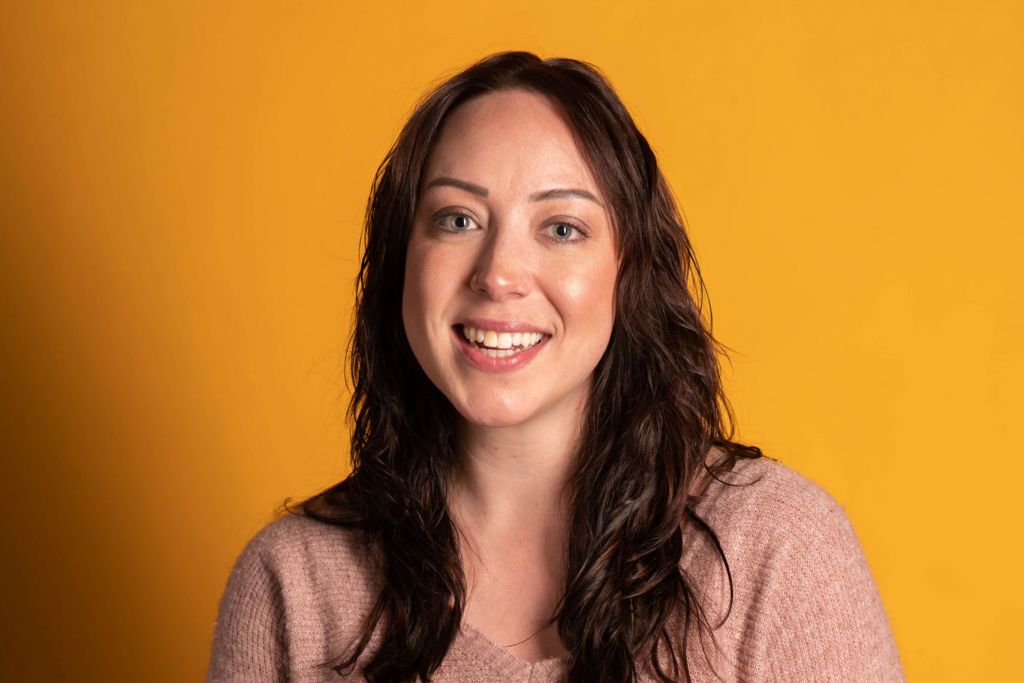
[{"x": 455, "y": 222}]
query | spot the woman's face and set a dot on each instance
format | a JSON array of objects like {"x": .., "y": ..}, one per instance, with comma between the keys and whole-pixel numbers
[{"x": 511, "y": 241}]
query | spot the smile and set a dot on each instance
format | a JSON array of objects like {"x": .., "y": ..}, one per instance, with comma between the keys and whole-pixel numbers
[
  {"x": 495, "y": 351},
  {"x": 501, "y": 344}
]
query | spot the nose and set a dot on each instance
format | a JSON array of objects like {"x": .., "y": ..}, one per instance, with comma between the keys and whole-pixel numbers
[{"x": 501, "y": 269}]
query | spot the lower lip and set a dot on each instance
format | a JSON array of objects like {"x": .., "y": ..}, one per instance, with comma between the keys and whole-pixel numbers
[{"x": 484, "y": 362}]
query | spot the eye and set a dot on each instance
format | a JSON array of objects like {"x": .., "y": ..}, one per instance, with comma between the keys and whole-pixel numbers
[
  {"x": 564, "y": 231},
  {"x": 455, "y": 222}
]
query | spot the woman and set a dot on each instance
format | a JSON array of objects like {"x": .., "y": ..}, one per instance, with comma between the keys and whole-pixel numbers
[{"x": 544, "y": 484}]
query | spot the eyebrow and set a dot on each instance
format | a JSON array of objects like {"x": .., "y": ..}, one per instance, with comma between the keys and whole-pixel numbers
[{"x": 556, "y": 193}]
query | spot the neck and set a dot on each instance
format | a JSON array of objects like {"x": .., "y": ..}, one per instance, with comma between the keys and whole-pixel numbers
[{"x": 514, "y": 477}]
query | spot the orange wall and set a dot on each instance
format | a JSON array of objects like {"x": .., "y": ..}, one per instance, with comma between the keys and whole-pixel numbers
[{"x": 181, "y": 191}]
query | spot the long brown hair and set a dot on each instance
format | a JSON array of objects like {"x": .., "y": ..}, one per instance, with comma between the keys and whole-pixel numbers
[{"x": 656, "y": 411}]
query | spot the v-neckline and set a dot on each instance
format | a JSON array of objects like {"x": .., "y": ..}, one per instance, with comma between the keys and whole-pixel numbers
[{"x": 503, "y": 660}]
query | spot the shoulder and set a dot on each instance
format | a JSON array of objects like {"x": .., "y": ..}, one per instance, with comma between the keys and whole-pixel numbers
[
  {"x": 292, "y": 535},
  {"x": 780, "y": 530},
  {"x": 297, "y": 586},
  {"x": 804, "y": 603},
  {"x": 301, "y": 553},
  {"x": 762, "y": 498}
]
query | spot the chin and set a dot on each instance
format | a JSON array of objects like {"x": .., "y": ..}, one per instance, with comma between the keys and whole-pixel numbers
[{"x": 494, "y": 416}]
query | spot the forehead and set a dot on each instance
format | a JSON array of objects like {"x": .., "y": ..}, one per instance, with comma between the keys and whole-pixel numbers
[{"x": 511, "y": 141}]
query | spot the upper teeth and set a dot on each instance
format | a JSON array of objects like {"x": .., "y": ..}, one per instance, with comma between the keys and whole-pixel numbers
[{"x": 501, "y": 340}]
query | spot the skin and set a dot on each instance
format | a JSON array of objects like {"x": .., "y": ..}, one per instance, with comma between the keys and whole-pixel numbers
[{"x": 507, "y": 259}]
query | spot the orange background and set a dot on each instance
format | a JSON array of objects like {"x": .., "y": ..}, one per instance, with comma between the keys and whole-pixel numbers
[{"x": 182, "y": 191}]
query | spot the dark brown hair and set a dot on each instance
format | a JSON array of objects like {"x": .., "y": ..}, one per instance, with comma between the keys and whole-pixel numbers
[{"x": 656, "y": 411}]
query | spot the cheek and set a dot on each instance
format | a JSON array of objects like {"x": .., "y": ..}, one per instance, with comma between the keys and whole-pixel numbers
[
  {"x": 417, "y": 307},
  {"x": 588, "y": 293},
  {"x": 414, "y": 290},
  {"x": 426, "y": 291}
]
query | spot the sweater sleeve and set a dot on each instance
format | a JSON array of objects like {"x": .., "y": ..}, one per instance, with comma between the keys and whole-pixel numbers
[
  {"x": 824, "y": 618},
  {"x": 248, "y": 642}
]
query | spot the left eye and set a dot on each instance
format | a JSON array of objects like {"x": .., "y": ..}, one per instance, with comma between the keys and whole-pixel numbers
[{"x": 563, "y": 232}]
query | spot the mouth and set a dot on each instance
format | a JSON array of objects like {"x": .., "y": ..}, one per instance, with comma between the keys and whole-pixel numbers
[{"x": 498, "y": 344}]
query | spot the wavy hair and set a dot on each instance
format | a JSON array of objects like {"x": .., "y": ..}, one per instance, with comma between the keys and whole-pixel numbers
[{"x": 656, "y": 410}]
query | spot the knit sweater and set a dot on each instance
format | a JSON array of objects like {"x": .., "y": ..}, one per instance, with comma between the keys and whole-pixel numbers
[{"x": 805, "y": 606}]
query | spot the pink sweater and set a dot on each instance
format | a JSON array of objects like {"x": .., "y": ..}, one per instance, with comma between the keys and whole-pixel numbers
[{"x": 805, "y": 607}]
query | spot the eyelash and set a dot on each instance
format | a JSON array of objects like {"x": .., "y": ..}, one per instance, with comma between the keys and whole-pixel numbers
[{"x": 575, "y": 226}]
